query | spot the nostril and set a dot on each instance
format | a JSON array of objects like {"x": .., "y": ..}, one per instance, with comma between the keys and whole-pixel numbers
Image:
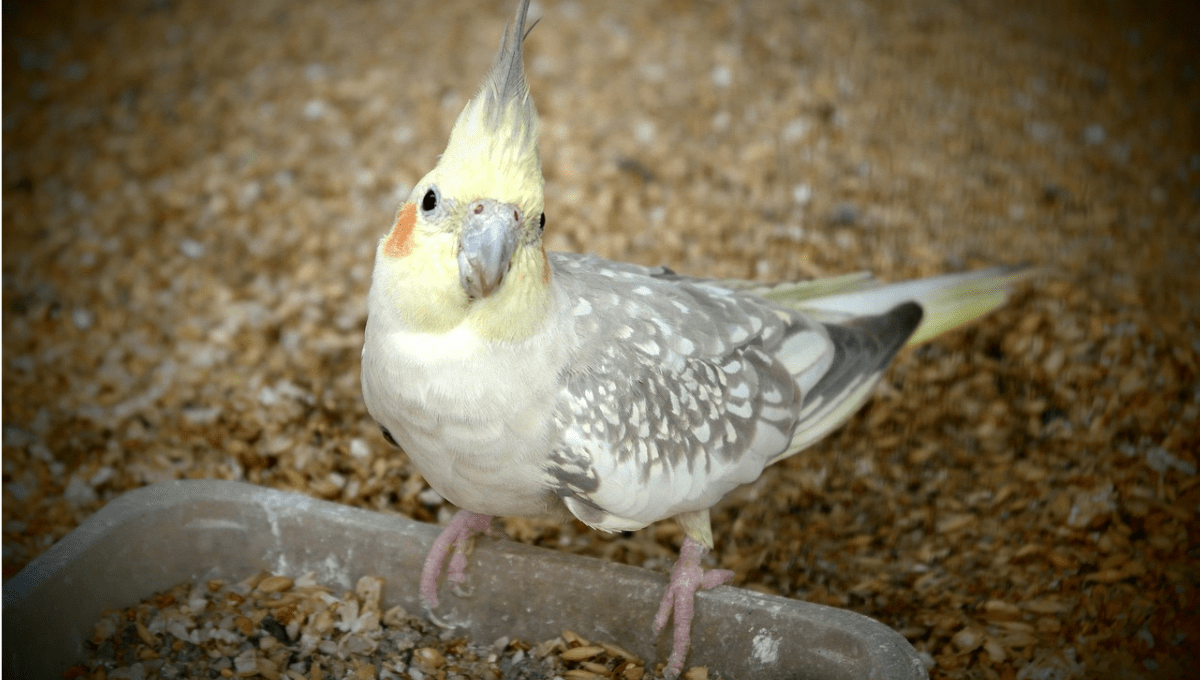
[{"x": 478, "y": 208}]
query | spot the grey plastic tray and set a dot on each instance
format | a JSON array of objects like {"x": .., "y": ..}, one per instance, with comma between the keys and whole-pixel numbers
[{"x": 152, "y": 538}]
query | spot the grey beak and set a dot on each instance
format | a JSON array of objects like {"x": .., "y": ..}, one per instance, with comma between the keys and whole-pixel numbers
[{"x": 489, "y": 237}]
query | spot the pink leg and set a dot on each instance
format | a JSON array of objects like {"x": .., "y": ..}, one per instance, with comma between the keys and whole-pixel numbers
[
  {"x": 463, "y": 526},
  {"x": 687, "y": 577}
]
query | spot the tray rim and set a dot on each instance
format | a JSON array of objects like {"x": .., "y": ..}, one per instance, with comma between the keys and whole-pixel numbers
[{"x": 897, "y": 657}]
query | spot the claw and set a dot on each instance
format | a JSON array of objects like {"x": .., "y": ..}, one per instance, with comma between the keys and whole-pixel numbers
[
  {"x": 462, "y": 528},
  {"x": 687, "y": 578}
]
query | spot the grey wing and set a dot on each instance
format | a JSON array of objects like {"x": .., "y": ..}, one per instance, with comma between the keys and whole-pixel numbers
[{"x": 679, "y": 392}]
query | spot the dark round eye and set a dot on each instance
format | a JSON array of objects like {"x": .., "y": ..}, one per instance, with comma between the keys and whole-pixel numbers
[
  {"x": 542, "y": 223},
  {"x": 430, "y": 201}
]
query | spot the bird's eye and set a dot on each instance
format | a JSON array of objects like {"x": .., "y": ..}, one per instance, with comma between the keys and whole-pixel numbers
[
  {"x": 430, "y": 201},
  {"x": 542, "y": 223}
]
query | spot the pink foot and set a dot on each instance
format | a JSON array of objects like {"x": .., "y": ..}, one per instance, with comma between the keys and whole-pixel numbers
[
  {"x": 463, "y": 526},
  {"x": 687, "y": 577}
]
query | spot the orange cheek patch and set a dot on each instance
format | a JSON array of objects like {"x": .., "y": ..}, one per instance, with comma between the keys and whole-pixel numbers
[{"x": 399, "y": 242}]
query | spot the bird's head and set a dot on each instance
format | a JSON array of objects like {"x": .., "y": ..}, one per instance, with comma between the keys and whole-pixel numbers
[{"x": 466, "y": 246}]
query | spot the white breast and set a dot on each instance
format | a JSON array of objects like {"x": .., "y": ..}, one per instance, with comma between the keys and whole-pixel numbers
[{"x": 475, "y": 416}]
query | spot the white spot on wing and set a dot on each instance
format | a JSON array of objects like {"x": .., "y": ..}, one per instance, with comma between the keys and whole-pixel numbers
[
  {"x": 650, "y": 348},
  {"x": 741, "y": 410},
  {"x": 663, "y": 328},
  {"x": 582, "y": 308},
  {"x": 608, "y": 413},
  {"x": 741, "y": 390}
]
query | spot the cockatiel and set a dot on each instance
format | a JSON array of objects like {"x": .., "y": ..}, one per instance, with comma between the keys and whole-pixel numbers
[{"x": 527, "y": 383}]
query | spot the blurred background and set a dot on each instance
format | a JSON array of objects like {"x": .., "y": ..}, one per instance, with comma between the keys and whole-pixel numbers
[{"x": 193, "y": 192}]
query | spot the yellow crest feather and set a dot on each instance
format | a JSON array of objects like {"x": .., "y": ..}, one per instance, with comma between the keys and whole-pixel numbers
[{"x": 493, "y": 150}]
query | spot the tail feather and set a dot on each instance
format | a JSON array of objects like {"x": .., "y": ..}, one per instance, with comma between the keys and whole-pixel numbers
[
  {"x": 795, "y": 293},
  {"x": 948, "y": 301}
]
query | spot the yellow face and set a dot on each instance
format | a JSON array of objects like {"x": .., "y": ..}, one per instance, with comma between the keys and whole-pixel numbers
[{"x": 458, "y": 254}]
